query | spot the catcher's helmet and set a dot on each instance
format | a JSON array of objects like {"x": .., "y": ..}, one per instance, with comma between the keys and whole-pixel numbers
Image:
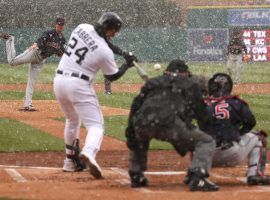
[
  {"x": 110, "y": 20},
  {"x": 220, "y": 84}
]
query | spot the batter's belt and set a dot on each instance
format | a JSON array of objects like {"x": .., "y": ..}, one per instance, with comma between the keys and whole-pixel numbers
[{"x": 73, "y": 74}]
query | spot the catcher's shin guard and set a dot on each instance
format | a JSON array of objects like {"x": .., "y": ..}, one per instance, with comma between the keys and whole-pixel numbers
[
  {"x": 258, "y": 180},
  {"x": 75, "y": 156},
  {"x": 263, "y": 151}
]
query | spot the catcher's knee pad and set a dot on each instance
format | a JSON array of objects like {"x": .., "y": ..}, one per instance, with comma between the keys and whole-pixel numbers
[{"x": 262, "y": 135}]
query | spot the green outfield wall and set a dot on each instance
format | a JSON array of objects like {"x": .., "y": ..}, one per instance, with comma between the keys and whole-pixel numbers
[{"x": 148, "y": 44}]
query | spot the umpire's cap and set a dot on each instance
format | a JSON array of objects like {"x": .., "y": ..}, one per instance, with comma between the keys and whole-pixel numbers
[
  {"x": 177, "y": 66},
  {"x": 110, "y": 20},
  {"x": 220, "y": 84}
]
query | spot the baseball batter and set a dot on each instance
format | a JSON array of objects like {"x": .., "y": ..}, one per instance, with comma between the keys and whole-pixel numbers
[
  {"x": 50, "y": 43},
  {"x": 86, "y": 54},
  {"x": 232, "y": 125}
]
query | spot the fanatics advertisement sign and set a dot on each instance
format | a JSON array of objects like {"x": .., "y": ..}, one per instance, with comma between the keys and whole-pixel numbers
[
  {"x": 249, "y": 17},
  {"x": 207, "y": 44}
]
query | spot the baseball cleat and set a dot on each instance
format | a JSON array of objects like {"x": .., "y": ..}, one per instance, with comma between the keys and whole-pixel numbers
[
  {"x": 258, "y": 180},
  {"x": 138, "y": 180},
  {"x": 69, "y": 166},
  {"x": 186, "y": 180},
  {"x": 4, "y": 35},
  {"x": 197, "y": 181},
  {"x": 30, "y": 108},
  {"x": 94, "y": 168},
  {"x": 202, "y": 184},
  {"x": 108, "y": 92}
]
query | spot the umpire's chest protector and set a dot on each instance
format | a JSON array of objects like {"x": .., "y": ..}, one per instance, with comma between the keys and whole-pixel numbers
[{"x": 163, "y": 103}]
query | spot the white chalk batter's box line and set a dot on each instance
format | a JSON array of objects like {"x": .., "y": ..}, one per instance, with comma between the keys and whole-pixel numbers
[
  {"x": 115, "y": 169},
  {"x": 16, "y": 176}
]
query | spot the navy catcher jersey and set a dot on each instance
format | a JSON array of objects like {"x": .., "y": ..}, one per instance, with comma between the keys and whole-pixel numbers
[{"x": 231, "y": 117}]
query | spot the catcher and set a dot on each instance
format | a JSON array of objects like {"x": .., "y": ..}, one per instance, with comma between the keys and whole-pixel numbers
[
  {"x": 232, "y": 123},
  {"x": 51, "y": 42},
  {"x": 164, "y": 110}
]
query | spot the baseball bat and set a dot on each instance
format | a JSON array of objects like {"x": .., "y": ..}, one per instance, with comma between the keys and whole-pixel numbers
[{"x": 140, "y": 71}]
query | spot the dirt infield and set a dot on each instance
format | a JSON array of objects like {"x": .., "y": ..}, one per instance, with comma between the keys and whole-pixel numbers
[{"x": 39, "y": 176}]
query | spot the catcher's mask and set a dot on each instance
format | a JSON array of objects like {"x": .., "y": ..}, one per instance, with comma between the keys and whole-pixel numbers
[
  {"x": 220, "y": 84},
  {"x": 110, "y": 20}
]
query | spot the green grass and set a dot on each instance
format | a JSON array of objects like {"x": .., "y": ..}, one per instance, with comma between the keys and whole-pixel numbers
[
  {"x": 18, "y": 95},
  {"x": 118, "y": 100},
  {"x": 17, "y": 136},
  {"x": 115, "y": 127},
  {"x": 253, "y": 72},
  {"x": 260, "y": 104}
]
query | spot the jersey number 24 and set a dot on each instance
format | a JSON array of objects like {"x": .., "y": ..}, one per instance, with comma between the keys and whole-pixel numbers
[{"x": 80, "y": 53}]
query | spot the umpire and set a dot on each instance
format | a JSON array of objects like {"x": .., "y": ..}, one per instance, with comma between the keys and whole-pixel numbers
[{"x": 164, "y": 110}]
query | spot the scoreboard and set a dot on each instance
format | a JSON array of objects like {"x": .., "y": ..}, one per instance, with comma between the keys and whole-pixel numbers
[{"x": 258, "y": 44}]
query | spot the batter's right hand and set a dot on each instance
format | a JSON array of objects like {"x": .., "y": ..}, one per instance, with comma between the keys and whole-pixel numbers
[{"x": 129, "y": 57}]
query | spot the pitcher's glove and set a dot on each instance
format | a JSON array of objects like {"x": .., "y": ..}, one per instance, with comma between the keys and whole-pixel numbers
[
  {"x": 59, "y": 52},
  {"x": 129, "y": 57}
]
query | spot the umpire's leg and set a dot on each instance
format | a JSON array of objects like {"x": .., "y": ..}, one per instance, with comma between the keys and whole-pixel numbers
[
  {"x": 138, "y": 158},
  {"x": 196, "y": 141}
]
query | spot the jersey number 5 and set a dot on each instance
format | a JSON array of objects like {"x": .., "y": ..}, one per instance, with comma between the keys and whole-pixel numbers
[
  {"x": 80, "y": 53},
  {"x": 221, "y": 111}
]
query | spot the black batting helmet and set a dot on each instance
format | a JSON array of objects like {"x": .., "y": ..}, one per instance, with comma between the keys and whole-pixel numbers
[
  {"x": 110, "y": 20},
  {"x": 220, "y": 84}
]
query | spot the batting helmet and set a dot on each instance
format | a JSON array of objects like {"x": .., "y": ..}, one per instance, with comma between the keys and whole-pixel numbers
[
  {"x": 220, "y": 84},
  {"x": 110, "y": 20}
]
